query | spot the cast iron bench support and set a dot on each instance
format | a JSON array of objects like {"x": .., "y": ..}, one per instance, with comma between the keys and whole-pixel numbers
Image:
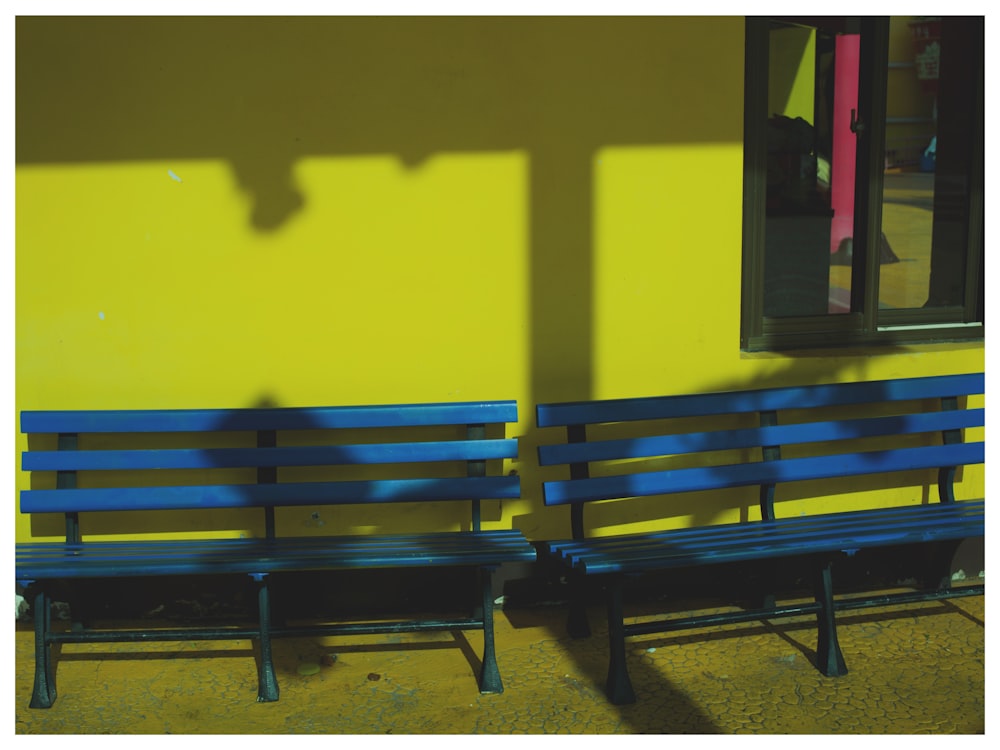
[
  {"x": 618, "y": 686},
  {"x": 489, "y": 676},
  {"x": 660, "y": 447},
  {"x": 43, "y": 694},
  {"x": 267, "y": 681},
  {"x": 829, "y": 657}
]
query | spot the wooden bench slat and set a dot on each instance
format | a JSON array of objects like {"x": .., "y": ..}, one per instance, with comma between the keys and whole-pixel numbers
[
  {"x": 284, "y": 418},
  {"x": 762, "y": 472},
  {"x": 768, "y": 399},
  {"x": 837, "y": 531},
  {"x": 753, "y": 437},
  {"x": 286, "y": 546},
  {"x": 787, "y": 537},
  {"x": 193, "y": 497},
  {"x": 101, "y": 559},
  {"x": 230, "y": 548},
  {"x": 763, "y": 530},
  {"x": 316, "y": 455}
]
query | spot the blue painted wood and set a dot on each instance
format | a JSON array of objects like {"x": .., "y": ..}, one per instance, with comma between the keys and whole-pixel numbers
[
  {"x": 782, "y": 470},
  {"x": 319, "y": 418},
  {"x": 768, "y": 399},
  {"x": 699, "y": 538},
  {"x": 277, "y": 495},
  {"x": 217, "y": 556},
  {"x": 756, "y": 437},
  {"x": 839, "y": 532},
  {"x": 317, "y": 455}
]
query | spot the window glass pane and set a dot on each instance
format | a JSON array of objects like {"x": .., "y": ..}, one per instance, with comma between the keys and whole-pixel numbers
[
  {"x": 928, "y": 146},
  {"x": 812, "y": 77}
]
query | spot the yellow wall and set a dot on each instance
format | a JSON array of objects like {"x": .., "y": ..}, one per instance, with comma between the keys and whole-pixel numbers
[
  {"x": 791, "y": 85},
  {"x": 215, "y": 212}
]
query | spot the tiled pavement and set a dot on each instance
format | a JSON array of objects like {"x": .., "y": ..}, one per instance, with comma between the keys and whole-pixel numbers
[{"x": 913, "y": 669}]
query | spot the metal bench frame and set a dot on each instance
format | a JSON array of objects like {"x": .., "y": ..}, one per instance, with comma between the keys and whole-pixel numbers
[
  {"x": 826, "y": 446},
  {"x": 78, "y": 492}
]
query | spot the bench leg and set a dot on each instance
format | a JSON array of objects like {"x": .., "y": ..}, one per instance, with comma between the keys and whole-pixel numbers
[
  {"x": 267, "y": 681},
  {"x": 489, "y": 678},
  {"x": 43, "y": 694},
  {"x": 829, "y": 657},
  {"x": 619, "y": 686}
]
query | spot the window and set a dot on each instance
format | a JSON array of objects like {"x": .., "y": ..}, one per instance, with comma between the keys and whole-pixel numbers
[{"x": 863, "y": 181}]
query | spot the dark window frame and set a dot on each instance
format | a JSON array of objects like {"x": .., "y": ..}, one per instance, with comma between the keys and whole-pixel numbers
[{"x": 864, "y": 324}]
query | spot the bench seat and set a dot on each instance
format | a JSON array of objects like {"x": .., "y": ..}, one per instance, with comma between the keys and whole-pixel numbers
[
  {"x": 48, "y": 560},
  {"x": 786, "y": 537},
  {"x": 51, "y": 560}
]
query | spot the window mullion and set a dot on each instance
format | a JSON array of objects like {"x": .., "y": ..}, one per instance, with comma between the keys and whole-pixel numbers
[
  {"x": 872, "y": 89},
  {"x": 754, "y": 176},
  {"x": 974, "y": 283}
]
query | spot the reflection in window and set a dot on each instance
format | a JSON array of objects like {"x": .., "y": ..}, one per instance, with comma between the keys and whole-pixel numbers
[
  {"x": 931, "y": 95},
  {"x": 809, "y": 168},
  {"x": 933, "y": 109}
]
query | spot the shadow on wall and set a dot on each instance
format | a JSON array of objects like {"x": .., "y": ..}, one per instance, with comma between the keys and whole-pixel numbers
[
  {"x": 262, "y": 93},
  {"x": 217, "y": 462}
]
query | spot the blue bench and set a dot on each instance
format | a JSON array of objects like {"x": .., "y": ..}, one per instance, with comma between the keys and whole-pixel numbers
[
  {"x": 643, "y": 452},
  {"x": 86, "y": 463}
]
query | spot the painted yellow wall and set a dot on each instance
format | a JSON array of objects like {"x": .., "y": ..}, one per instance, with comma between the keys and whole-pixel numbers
[
  {"x": 791, "y": 85},
  {"x": 217, "y": 212}
]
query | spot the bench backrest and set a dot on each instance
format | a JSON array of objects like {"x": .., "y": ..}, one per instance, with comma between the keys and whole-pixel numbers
[
  {"x": 446, "y": 468},
  {"x": 822, "y": 419}
]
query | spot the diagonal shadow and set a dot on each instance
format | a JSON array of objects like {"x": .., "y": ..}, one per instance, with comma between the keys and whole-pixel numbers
[{"x": 263, "y": 94}]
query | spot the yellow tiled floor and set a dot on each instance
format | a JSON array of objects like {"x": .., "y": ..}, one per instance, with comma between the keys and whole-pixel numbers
[{"x": 913, "y": 669}]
